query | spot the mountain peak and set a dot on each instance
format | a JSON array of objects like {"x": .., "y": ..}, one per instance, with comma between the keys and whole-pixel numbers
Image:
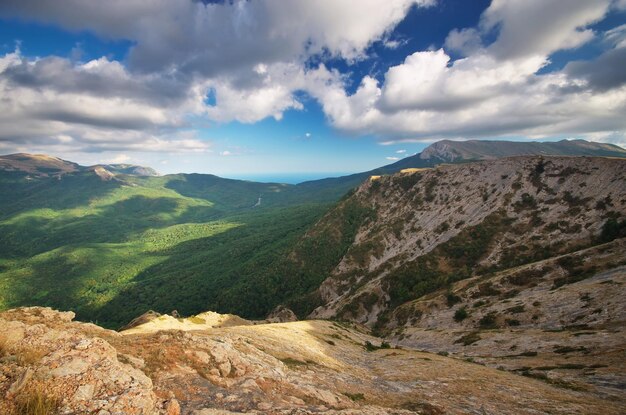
[
  {"x": 451, "y": 151},
  {"x": 37, "y": 164},
  {"x": 43, "y": 165}
]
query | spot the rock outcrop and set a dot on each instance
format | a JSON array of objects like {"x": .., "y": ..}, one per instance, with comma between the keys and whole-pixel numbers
[
  {"x": 301, "y": 367},
  {"x": 67, "y": 367}
]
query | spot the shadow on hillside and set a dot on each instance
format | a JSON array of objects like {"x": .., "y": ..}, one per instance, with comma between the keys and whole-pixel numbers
[
  {"x": 241, "y": 271},
  {"x": 233, "y": 194},
  {"x": 114, "y": 223},
  {"x": 237, "y": 269},
  {"x": 51, "y": 193}
]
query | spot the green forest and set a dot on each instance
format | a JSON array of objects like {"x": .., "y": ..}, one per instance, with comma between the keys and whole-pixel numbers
[{"x": 111, "y": 250}]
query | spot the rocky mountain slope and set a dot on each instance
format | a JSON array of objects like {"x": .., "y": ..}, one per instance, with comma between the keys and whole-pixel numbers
[
  {"x": 285, "y": 368},
  {"x": 430, "y": 228},
  {"x": 517, "y": 263}
]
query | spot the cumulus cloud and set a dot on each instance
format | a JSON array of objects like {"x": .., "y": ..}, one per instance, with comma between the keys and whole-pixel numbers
[
  {"x": 246, "y": 60},
  {"x": 604, "y": 73},
  {"x": 497, "y": 89},
  {"x": 192, "y": 36},
  {"x": 540, "y": 27},
  {"x": 52, "y": 103},
  {"x": 250, "y": 55},
  {"x": 465, "y": 41},
  {"x": 118, "y": 159}
]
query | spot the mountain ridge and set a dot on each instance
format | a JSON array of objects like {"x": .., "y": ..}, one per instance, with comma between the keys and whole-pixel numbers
[{"x": 443, "y": 151}]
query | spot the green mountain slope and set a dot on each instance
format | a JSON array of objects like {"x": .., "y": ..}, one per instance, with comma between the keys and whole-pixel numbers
[
  {"x": 81, "y": 242},
  {"x": 111, "y": 245}
]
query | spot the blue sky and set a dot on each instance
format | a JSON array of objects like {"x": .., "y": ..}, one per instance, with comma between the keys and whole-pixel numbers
[{"x": 269, "y": 89}]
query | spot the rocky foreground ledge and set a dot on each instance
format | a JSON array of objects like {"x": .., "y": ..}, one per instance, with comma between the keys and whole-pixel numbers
[{"x": 306, "y": 367}]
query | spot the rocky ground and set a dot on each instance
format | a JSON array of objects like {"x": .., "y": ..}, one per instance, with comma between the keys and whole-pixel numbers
[
  {"x": 301, "y": 367},
  {"x": 532, "y": 320}
]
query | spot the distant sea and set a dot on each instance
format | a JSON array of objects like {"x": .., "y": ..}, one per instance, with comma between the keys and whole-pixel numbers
[{"x": 289, "y": 178}]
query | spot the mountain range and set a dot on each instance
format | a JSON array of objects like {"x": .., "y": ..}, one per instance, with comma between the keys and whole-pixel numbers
[
  {"x": 111, "y": 241},
  {"x": 472, "y": 263}
]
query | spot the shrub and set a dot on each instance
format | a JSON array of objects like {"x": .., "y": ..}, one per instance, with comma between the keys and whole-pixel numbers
[
  {"x": 460, "y": 314},
  {"x": 516, "y": 309},
  {"x": 370, "y": 347},
  {"x": 468, "y": 339},
  {"x": 486, "y": 289},
  {"x": 525, "y": 203},
  {"x": 488, "y": 321},
  {"x": 613, "y": 229},
  {"x": 442, "y": 227},
  {"x": 452, "y": 299},
  {"x": 569, "y": 349}
]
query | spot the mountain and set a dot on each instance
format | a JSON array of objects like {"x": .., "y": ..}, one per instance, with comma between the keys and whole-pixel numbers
[
  {"x": 450, "y": 151},
  {"x": 41, "y": 165},
  {"x": 447, "y": 151},
  {"x": 304, "y": 367},
  {"x": 516, "y": 263},
  {"x": 36, "y": 164},
  {"x": 498, "y": 282},
  {"x": 430, "y": 227},
  {"x": 130, "y": 169},
  {"x": 111, "y": 245}
]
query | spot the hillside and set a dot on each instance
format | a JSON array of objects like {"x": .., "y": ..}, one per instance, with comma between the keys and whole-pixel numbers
[
  {"x": 111, "y": 242},
  {"x": 111, "y": 246},
  {"x": 303, "y": 367},
  {"x": 516, "y": 263},
  {"x": 436, "y": 226}
]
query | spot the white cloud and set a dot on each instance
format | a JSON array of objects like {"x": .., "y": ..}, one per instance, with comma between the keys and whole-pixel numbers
[
  {"x": 95, "y": 106},
  {"x": 617, "y": 36},
  {"x": 392, "y": 158},
  {"x": 465, "y": 41},
  {"x": 496, "y": 90},
  {"x": 540, "y": 27},
  {"x": 307, "y": 135},
  {"x": 211, "y": 39},
  {"x": 252, "y": 54},
  {"x": 118, "y": 159},
  {"x": 400, "y": 151}
]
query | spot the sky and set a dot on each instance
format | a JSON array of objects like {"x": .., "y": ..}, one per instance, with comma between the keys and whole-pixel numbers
[{"x": 308, "y": 88}]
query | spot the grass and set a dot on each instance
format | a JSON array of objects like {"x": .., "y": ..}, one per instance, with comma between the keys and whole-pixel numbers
[
  {"x": 35, "y": 401},
  {"x": 28, "y": 356}
]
